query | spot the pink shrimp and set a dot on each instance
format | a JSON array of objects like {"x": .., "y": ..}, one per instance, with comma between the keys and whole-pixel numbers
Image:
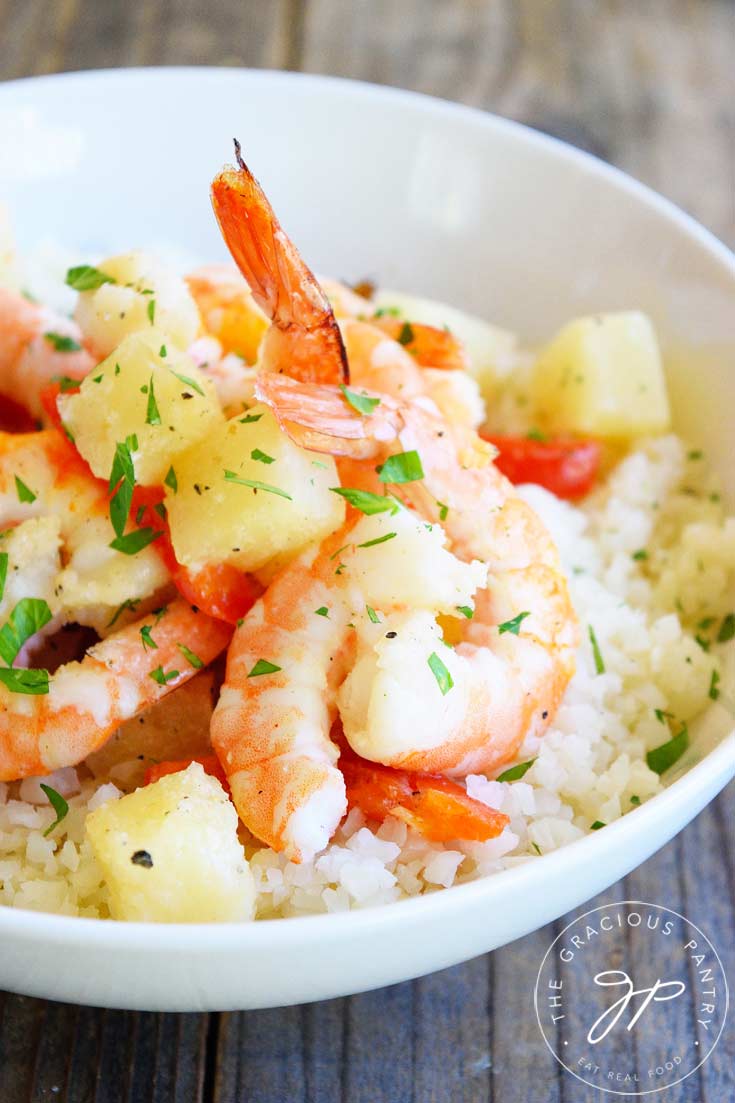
[
  {"x": 47, "y": 722},
  {"x": 304, "y": 339},
  {"x": 36, "y": 344}
]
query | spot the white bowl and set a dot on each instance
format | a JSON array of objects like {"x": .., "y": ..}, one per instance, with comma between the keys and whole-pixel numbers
[{"x": 437, "y": 199}]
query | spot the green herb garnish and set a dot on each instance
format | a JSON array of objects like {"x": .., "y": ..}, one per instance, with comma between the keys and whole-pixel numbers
[
  {"x": 404, "y": 467},
  {"x": 149, "y": 644},
  {"x": 727, "y": 629},
  {"x": 360, "y": 402},
  {"x": 163, "y": 678},
  {"x": 62, "y": 343},
  {"x": 466, "y": 611},
  {"x": 59, "y": 805},
  {"x": 714, "y": 692},
  {"x": 263, "y": 667},
  {"x": 171, "y": 481},
  {"x": 366, "y": 501},
  {"x": 132, "y": 605},
  {"x": 190, "y": 656},
  {"x": 596, "y": 653},
  {"x": 3, "y": 572},
  {"x": 640, "y": 555},
  {"x": 322, "y": 611},
  {"x": 249, "y": 419},
  {"x": 662, "y": 758},
  {"x": 152, "y": 415},
  {"x": 133, "y": 542},
  {"x": 635, "y": 800},
  {"x": 515, "y": 773},
  {"x": 255, "y": 484},
  {"x": 440, "y": 672},
  {"x": 32, "y": 682},
  {"x": 378, "y": 540},
  {"x": 188, "y": 381},
  {"x": 372, "y": 614},
  {"x": 28, "y": 617},
  {"x": 84, "y": 277},
  {"x": 513, "y": 626},
  {"x": 261, "y": 457},
  {"x": 406, "y": 335},
  {"x": 597, "y": 825},
  {"x": 151, "y": 310},
  {"x": 25, "y": 494}
]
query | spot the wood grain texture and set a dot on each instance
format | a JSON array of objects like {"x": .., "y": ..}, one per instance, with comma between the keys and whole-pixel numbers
[{"x": 651, "y": 87}]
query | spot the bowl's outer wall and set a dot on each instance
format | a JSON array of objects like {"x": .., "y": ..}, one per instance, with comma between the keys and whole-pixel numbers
[{"x": 417, "y": 194}]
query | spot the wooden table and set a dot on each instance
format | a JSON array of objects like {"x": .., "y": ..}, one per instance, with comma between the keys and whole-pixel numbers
[{"x": 648, "y": 85}]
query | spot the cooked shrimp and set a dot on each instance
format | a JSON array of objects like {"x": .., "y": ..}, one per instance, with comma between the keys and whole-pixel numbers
[
  {"x": 430, "y": 346},
  {"x": 304, "y": 339},
  {"x": 228, "y": 310},
  {"x": 506, "y": 677},
  {"x": 271, "y": 726},
  {"x": 65, "y": 716},
  {"x": 36, "y": 344}
]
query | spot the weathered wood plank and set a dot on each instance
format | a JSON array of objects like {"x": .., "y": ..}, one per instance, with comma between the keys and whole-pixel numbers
[
  {"x": 649, "y": 86},
  {"x": 38, "y": 37}
]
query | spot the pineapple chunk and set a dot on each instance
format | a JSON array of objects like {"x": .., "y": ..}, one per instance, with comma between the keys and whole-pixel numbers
[
  {"x": 144, "y": 291},
  {"x": 181, "y": 410},
  {"x": 170, "y": 853},
  {"x": 491, "y": 350},
  {"x": 215, "y": 519},
  {"x": 602, "y": 376}
]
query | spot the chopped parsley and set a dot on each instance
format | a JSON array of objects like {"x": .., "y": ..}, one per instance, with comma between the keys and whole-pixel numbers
[
  {"x": 727, "y": 628},
  {"x": 84, "y": 277},
  {"x": 3, "y": 572},
  {"x": 147, "y": 639},
  {"x": 249, "y": 419},
  {"x": 536, "y": 847},
  {"x": 171, "y": 481},
  {"x": 25, "y": 494},
  {"x": 122, "y": 482},
  {"x": 366, "y": 501},
  {"x": 443, "y": 510},
  {"x": 132, "y": 605},
  {"x": 151, "y": 310},
  {"x": 188, "y": 381},
  {"x": 377, "y": 540},
  {"x": 703, "y": 643},
  {"x": 163, "y": 677},
  {"x": 322, "y": 611},
  {"x": 596, "y": 653},
  {"x": 640, "y": 555},
  {"x": 537, "y": 435},
  {"x": 255, "y": 484},
  {"x": 372, "y": 614},
  {"x": 261, "y": 457},
  {"x": 662, "y": 758},
  {"x": 440, "y": 672},
  {"x": 695, "y": 454},
  {"x": 514, "y": 625},
  {"x": 163, "y": 352},
  {"x": 32, "y": 682},
  {"x": 190, "y": 657},
  {"x": 28, "y": 617},
  {"x": 404, "y": 467},
  {"x": 263, "y": 667},
  {"x": 635, "y": 800},
  {"x": 360, "y": 402},
  {"x": 59, "y": 805},
  {"x": 466, "y": 611},
  {"x": 66, "y": 383},
  {"x": 515, "y": 773},
  {"x": 152, "y": 414},
  {"x": 62, "y": 343},
  {"x": 133, "y": 542},
  {"x": 597, "y": 825},
  {"x": 406, "y": 334},
  {"x": 714, "y": 692},
  {"x": 662, "y": 716},
  {"x": 390, "y": 311}
]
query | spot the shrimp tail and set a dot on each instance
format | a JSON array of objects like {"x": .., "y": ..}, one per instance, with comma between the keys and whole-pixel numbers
[{"x": 304, "y": 339}]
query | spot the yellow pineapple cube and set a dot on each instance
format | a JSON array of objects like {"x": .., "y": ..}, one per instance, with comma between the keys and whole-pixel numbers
[
  {"x": 148, "y": 389},
  {"x": 248, "y": 496},
  {"x": 169, "y": 852},
  {"x": 602, "y": 376}
]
